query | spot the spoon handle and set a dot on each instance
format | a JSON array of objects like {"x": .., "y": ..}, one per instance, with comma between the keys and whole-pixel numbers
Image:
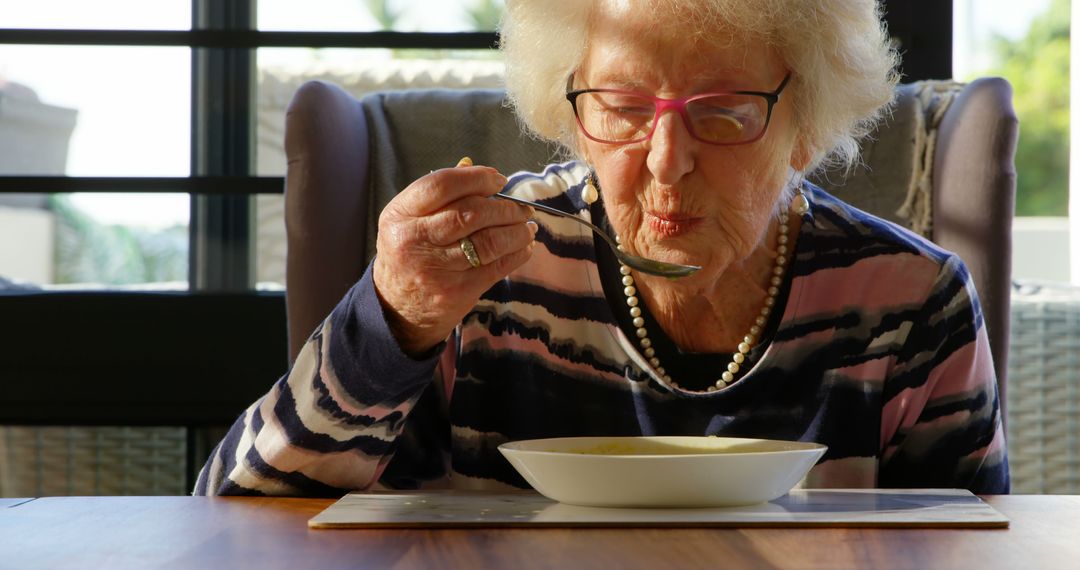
[{"x": 558, "y": 212}]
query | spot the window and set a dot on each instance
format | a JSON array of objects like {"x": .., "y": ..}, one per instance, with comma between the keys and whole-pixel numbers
[
  {"x": 102, "y": 111},
  {"x": 142, "y": 145},
  {"x": 118, "y": 109}
]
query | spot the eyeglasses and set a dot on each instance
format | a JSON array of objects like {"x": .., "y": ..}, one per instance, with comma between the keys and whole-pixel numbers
[{"x": 724, "y": 118}]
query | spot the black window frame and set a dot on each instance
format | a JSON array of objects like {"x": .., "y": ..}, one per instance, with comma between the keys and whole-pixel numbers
[{"x": 198, "y": 358}]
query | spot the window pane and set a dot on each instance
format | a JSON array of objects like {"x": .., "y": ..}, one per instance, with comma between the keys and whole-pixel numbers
[
  {"x": 94, "y": 241},
  {"x": 372, "y": 15},
  {"x": 95, "y": 111},
  {"x": 98, "y": 14},
  {"x": 358, "y": 71}
]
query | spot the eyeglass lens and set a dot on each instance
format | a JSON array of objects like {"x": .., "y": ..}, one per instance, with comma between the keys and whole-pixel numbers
[{"x": 623, "y": 117}]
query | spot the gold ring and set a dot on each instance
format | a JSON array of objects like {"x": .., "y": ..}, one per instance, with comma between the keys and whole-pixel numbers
[{"x": 469, "y": 249}]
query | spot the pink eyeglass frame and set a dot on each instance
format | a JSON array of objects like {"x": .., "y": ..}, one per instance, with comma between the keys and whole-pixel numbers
[{"x": 663, "y": 105}]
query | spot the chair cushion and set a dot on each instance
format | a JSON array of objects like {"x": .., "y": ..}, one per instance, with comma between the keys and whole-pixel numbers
[{"x": 897, "y": 159}]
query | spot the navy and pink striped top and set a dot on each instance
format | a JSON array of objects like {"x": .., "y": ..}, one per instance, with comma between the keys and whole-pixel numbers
[{"x": 879, "y": 352}]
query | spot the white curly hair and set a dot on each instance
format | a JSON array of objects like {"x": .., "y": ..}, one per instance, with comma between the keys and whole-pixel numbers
[{"x": 842, "y": 61}]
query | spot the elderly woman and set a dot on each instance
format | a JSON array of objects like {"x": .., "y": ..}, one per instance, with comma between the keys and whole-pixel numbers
[{"x": 692, "y": 123}]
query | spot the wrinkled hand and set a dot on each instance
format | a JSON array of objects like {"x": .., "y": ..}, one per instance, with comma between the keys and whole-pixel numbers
[{"x": 423, "y": 279}]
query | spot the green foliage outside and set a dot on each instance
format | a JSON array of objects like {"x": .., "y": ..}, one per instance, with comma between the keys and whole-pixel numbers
[
  {"x": 90, "y": 252},
  {"x": 386, "y": 16},
  {"x": 482, "y": 15},
  {"x": 485, "y": 14},
  {"x": 1037, "y": 65}
]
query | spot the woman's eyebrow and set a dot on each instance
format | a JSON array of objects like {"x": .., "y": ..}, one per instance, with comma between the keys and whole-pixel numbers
[
  {"x": 617, "y": 82},
  {"x": 703, "y": 83}
]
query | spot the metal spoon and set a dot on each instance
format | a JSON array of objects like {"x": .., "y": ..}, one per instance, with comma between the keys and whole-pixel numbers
[{"x": 643, "y": 264}]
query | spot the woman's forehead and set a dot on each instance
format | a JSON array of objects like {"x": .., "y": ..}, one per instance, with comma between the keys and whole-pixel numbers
[
  {"x": 649, "y": 60},
  {"x": 655, "y": 44}
]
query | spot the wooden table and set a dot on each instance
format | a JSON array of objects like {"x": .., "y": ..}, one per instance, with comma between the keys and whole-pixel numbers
[{"x": 265, "y": 533}]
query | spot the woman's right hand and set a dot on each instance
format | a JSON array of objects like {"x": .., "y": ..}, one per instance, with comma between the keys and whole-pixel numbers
[{"x": 422, "y": 276}]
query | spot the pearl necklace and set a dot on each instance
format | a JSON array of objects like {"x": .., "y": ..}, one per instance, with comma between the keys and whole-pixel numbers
[{"x": 738, "y": 359}]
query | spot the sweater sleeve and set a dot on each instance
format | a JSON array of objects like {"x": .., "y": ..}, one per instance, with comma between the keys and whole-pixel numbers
[
  {"x": 330, "y": 424},
  {"x": 941, "y": 418}
]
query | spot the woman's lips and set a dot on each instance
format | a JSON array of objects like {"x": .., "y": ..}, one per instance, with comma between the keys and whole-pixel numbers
[{"x": 671, "y": 225}]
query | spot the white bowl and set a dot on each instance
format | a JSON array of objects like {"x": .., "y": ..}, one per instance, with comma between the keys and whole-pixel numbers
[{"x": 662, "y": 471}]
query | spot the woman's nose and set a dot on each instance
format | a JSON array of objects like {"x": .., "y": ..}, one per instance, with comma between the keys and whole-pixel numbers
[{"x": 671, "y": 149}]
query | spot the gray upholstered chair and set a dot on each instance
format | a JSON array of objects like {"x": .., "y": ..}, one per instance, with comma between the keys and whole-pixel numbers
[{"x": 942, "y": 164}]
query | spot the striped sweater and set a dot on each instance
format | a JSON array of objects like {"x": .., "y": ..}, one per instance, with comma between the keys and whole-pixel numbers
[{"x": 878, "y": 351}]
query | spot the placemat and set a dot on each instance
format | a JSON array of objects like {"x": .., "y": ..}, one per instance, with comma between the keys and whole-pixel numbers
[{"x": 946, "y": 508}]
